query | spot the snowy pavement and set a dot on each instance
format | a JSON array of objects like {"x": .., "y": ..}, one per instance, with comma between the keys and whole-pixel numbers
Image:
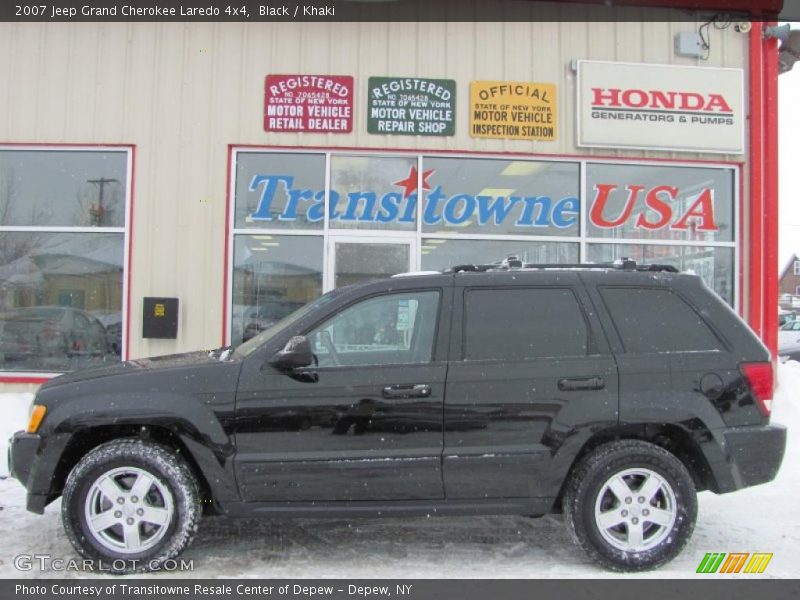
[{"x": 760, "y": 519}]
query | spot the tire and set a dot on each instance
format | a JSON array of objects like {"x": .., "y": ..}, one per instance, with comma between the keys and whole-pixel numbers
[
  {"x": 606, "y": 526},
  {"x": 142, "y": 532}
]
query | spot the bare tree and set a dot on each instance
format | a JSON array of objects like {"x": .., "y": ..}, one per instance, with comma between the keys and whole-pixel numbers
[{"x": 13, "y": 245}]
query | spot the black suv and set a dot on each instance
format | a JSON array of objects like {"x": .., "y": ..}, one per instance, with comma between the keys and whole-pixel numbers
[{"x": 610, "y": 394}]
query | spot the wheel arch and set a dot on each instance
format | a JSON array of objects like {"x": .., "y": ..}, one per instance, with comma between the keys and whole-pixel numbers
[
  {"x": 669, "y": 436},
  {"x": 85, "y": 440}
]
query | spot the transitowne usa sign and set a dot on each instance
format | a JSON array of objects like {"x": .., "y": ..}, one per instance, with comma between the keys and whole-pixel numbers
[{"x": 662, "y": 107}]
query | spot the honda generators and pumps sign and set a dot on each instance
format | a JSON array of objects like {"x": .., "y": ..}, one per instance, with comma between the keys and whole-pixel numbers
[{"x": 661, "y": 107}]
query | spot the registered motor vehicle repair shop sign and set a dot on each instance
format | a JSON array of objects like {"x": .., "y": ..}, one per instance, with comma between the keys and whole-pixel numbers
[
  {"x": 514, "y": 110},
  {"x": 411, "y": 106}
]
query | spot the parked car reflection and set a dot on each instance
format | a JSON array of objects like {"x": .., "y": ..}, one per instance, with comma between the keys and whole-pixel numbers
[
  {"x": 51, "y": 337},
  {"x": 263, "y": 316}
]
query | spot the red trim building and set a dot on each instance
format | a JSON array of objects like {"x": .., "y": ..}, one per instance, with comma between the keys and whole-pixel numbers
[{"x": 271, "y": 162}]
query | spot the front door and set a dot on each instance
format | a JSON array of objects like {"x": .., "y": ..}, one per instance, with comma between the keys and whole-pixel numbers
[{"x": 365, "y": 423}]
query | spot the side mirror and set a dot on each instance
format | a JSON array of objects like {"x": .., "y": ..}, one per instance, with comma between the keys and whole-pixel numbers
[{"x": 295, "y": 354}]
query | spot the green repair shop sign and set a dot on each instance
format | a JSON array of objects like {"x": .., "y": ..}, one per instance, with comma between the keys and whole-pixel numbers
[{"x": 411, "y": 106}]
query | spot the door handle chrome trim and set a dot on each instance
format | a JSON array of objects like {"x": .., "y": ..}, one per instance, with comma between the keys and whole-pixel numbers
[
  {"x": 416, "y": 390},
  {"x": 581, "y": 383}
]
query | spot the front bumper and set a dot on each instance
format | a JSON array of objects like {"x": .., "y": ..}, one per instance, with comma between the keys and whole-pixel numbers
[
  {"x": 22, "y": 449},
  {"x": 33, "y": 462}
]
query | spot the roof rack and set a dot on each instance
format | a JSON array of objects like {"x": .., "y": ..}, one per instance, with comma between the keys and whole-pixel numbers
[{"x": 513, "y": 263}]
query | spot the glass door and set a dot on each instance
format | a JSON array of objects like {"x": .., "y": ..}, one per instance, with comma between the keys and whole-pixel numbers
[{"x": 353, "y": 259}]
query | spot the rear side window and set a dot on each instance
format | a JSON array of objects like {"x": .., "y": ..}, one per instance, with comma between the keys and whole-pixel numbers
[
  {"x": 657, "y": 320},
  {"x": 512, "y": 324}
]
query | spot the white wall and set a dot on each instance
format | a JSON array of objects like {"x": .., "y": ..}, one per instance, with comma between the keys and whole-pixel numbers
[{"x": 182, "y": 92}]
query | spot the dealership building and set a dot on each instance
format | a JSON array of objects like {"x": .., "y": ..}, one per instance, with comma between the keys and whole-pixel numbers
[{"x": 174, "y": 186}]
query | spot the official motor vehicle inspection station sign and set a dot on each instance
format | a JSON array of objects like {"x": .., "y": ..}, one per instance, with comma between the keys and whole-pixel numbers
[
  {"x": 514, "y": 110},
  {"x": 308, "y": 103},
  {"x": 660, "y": 107},
  {"x": 411, "y": 106}
]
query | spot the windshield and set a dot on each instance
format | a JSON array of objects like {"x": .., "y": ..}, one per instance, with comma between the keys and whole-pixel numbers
[
  {"x": 791, "y": 326},
  {"x": 250, "y": 345}
]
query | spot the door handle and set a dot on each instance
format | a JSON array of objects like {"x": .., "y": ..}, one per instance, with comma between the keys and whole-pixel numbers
[
  {"x": 415, "y": 390},
  {"x": 582, "y": 383}
]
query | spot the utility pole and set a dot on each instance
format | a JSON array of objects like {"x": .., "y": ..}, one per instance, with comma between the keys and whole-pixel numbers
[{"x": 97, "y": 214}]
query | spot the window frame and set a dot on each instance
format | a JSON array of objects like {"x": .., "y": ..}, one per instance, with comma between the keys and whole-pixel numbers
[
  {"x": 439, "y": 291},
  {"x": 37, "y": 377},
  {"x": 419, "y": 237}
]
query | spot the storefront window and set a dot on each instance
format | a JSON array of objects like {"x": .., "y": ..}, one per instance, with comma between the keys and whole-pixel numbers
[
  {"x": 58, "y": 188},
  {"x": 714, "y": 265},
  {"x": 273, "y": 275},
  {"x": 501, "y": 197},
  {"x": 61, "y": 291},
  {"x": 374, "y": 192},
  {"x": 392, "y": 213},
  {"x": 660, "y": 203},
  {"x": 282, "y": 191},
  {"x": 440, "y": 254}
]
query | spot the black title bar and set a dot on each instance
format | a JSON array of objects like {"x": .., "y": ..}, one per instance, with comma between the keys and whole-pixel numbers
[{"x": 393, "y": 10}]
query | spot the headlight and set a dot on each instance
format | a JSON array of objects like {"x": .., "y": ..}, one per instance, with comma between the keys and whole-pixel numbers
[{"x": 36, "y": 417}]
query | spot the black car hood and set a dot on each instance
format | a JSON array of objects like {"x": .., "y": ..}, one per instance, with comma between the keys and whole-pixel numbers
[{"x": 170, "y": 361}]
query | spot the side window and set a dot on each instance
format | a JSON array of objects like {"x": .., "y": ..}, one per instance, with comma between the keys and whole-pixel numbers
[
  {"x": 384, "y": 330},
  {"x": 657, "y": 320},
  {"x": 512, "y": 324}
]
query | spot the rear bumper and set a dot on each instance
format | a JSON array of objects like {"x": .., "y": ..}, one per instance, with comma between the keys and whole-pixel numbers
[
  {"x": 32, "y": 461},
  {"x": 757, "y": 452},
  {"x": 747, "y": 456}
]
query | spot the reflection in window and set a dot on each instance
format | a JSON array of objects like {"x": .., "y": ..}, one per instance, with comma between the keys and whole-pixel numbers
[
  {"x": 284, "y": 191},
  {"x": 357, "y": 262},
  {"x": 369, "y": 192},
  {"x": 441, "y": 254},
  {"x": 393, "y": 329},
  {"x": 59, "y": 188},
  {"x": 273, "y": 276},
  {"x": 60, "y": 300},
  {"x": 713, "y": 265},
  {"x": 494, "y": 196},
  {"x": 660, "y": 203}
]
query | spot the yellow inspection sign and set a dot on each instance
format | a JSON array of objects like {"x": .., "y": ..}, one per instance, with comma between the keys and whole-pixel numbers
[{"x": 516, "y": 110}]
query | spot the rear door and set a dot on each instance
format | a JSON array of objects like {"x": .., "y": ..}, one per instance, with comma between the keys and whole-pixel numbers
[{"x": 531, "y": 377}]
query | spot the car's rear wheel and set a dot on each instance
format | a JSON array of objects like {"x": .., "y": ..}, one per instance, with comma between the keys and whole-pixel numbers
[
  {"x": 131, "y": 505},
  {"x": 630, "y": 505}
]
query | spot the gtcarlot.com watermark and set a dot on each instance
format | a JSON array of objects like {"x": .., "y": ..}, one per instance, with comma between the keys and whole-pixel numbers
[{"x": 48, "y": 562}]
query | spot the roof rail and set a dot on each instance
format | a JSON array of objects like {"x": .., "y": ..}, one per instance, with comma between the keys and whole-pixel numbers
[{"x": 512, "y": 263}]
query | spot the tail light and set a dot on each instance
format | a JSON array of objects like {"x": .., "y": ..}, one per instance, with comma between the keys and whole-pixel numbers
[{"x": 760, "y": 378}]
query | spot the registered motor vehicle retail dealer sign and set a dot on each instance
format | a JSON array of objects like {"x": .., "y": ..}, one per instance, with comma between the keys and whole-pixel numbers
[
  {"x": 308, "y": 103},
  {"x": 516, "y": 110},
  {"x": 660, "y": 107},
  {"x": 411, "y": 106}
]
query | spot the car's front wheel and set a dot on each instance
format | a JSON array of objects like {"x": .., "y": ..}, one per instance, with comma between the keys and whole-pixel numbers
[
  {"x": 130, "y": 505},
  {"x": 630, "y": 505}
]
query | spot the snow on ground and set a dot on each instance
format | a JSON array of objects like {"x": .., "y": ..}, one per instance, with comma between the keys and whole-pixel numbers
[{"x": 760, "y": 519}]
